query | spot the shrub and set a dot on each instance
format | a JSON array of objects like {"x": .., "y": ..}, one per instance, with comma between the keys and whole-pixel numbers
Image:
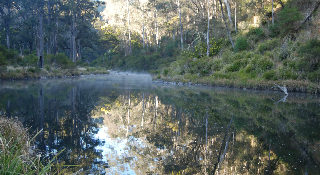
[
  {"x": 3, "y": 59},
  {"x": 274, "y": 30},
  {"x": 237, "y": 65},
  {"x": 265, "y": 64},
  {"x": 216, "y": 65},
  {"x": 61, "y": 60},
  {"x": 256, "y": 34},
  {"x": 287, "y": 74},
  {"x": 241, "y": 44},
  {"x": 15, "y": 148},
  {"x": 311, "y": 51},
  {"x": 314, "y": 76},
  {"x": 200, "y": 66},
  {"x": 288, "y": 18},
  {"x": 165, "y": 72},
  {"x": 30, "y": 60},
  {"x": 270, "y": 75},
  {"x": 268, "y": 45}
]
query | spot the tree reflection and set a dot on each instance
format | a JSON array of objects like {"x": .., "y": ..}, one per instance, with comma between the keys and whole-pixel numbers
[{"x": 169, "y": 130}]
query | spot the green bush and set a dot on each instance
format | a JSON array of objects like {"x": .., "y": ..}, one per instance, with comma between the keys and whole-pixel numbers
[
  {"x": 256, "y": 34},
  {"x": 237, "y": 65},
  {"x": 165, "y": 72},
  {"x": 30, "y": 60},
  {"x": 288, "y": 19},
  {"x": 274, "y": 30},
  {"x": 268, "y": 45},
  {"x": 3, "y": 59},
  {"x": 311, "y": 52},
  {"x": 60, "y": 60},
  {"x": 200, "y": 66},
  {"x": 265, "y": 64},
  {"x": 241, "y": 44},
  {"x": 216, "y": 65},
  {"x": 270, "y": 75},
  {"x": 286, "y": 74},
  {"x": 314, "y": 76},
  {"x": 8, "y": 56}
]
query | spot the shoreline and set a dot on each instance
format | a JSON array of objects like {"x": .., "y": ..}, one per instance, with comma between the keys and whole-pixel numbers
[
  {"x": 292, "y": 86},
  {"x": 42, "y": 74}
]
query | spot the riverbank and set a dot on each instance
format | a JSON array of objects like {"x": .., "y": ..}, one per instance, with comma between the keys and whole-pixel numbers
[
  {"x": 17, "y": 153},
  {"x": 291, "y": 85},
  {"x": 26, "y": 73}
]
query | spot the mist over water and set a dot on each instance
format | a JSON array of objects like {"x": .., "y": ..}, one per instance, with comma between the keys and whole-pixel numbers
[{"x": 123, "y": 123}]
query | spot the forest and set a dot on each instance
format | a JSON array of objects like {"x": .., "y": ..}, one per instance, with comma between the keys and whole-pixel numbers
[
  {"x": 83, "y": 79},
  {"x": 252, "y": 44}
]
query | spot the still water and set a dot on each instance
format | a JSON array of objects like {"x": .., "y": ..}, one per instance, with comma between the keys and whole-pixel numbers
[{"x": 124, "y": 123}]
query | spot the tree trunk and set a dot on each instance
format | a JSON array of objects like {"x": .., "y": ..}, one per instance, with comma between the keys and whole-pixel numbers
[
  {"x": 73, "y": 40},
  {"x": 235, "y": 17},
  {"x": 79, "y": 50},
  {"x": 143, "y": 110},
  {"x": 143, "y": 40},
  {"x": 41, "y": 39},
  {"x": 55, "y": 44},
  {"x": 8, "y": 38},
  {"x": 229, "y": 11},
  {"x": 227, "y": 28},
  {"x": 130, "y": 50},
  {"x": 208, "y": 30},
  {"x": 272, "y": 14},
  {"x": 157, "y": 29},
  {"x": 7, "y": 24},
  {"x": 181, "y": 27}
]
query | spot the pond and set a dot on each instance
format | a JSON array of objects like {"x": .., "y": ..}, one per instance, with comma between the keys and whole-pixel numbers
[{"x": 124, "y": 123}]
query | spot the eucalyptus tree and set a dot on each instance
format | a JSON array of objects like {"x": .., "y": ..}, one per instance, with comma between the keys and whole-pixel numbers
[
  {"x": 226, "y": 25},
  {"x": 8, "y": 8},
  {"x": 181, "y": 27}
]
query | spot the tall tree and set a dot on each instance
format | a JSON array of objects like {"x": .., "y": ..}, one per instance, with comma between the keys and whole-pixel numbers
[
  {"x": 226, "y": 25},
  {"x": 181, "y": 27},
  {"x": 41, "y": 34},
  {"x": 208, "y": 29}
]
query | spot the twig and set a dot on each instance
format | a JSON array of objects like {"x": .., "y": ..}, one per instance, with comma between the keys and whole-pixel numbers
[{"x": 282, "y": 88}]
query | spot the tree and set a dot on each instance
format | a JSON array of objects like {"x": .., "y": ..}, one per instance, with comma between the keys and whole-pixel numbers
[
  {"x": 208, "y": 30},
  {"x": 226, "y": 25}
]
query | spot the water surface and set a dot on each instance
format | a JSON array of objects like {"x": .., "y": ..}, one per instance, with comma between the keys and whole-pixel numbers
[{"x": 123, "y": 123}]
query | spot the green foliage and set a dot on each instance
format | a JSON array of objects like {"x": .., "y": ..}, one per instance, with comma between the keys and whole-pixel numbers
[
  {"x": 256, "y": 34},
  {"x": 165, "y": 72},
  {"x": 311, "y": 52},
  {"x": 217, "y": 65},
  {"x": 241, "y": 44},
  {"x": 270, "y": 75},
  {"x": 287, "y": 19},
  {"x": 3, "y": 59},
  {"x": 268, "y": 45},
  {"x": 14, "y": 151},
  {"x": 30, "y": 60},
  {"x": 200, "y": 66},
  {"x": 314, "y": 76},
  {"x": 287, "y": 74},
  {"x": 8, "y": 56},
  {"x": 237, "y": 65},
  {"x": 60, "y": 60},
  {"x": 274, "y": 31},
  {"x": 200, "y": 50}
]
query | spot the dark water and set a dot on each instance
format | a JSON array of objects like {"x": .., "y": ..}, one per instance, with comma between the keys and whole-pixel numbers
[{"x": 125, "y": 124}]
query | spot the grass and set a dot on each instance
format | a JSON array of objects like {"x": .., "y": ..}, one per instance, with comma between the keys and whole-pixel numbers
[
  {"x": 291, "y": 85},
  {"x": 19, "y": 73},
  {"x": 17, "y": 155}
]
